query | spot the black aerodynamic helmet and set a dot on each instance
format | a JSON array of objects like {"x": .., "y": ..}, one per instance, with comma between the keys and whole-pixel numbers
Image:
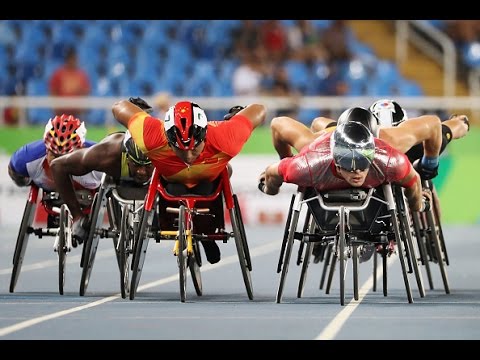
[
  {"x": 133, "y": 151},
  {"x": 362, "y": 116},
  {"x": 388, "y": 112},
  {"x": 352, "y": 146}
]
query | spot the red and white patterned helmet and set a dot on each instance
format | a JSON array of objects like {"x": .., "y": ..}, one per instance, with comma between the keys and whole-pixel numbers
[
  {"x": 185, "y": 125},
  {"x": 64, "y": 133}
]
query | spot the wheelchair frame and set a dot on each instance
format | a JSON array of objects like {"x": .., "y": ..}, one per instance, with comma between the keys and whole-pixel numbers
[
  {"x": 63, "y": 233},
  {"x": 342, "y": 242},
  {"x": 186, "y": 238},
  {"x": 123, "y": 221}
]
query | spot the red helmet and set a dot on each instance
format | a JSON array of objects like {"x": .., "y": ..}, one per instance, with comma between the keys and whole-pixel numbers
[
  {"x": 63, "y": 134},
  {"x": 185, "y": 125}
]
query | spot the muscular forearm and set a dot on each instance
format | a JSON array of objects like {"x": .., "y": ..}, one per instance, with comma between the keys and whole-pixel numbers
[
  {"x": 65, "y": 188},
  {"x": 123, "y": 110},
  {"x": 414, "y": 195},
  {"x": 433, "y": 143},
  {"x": 288, "y": 133}
]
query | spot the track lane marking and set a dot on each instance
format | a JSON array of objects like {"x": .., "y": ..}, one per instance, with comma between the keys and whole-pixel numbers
[
  {"x": 258, "y": 251},
  {"x": 336, "y": 324}
]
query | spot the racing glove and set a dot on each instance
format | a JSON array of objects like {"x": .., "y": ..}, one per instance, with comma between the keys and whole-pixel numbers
[
  {"x": 233, "y": 110},
  {"x": 425, "y": 173},
  {"x": 142, "y": 104}
]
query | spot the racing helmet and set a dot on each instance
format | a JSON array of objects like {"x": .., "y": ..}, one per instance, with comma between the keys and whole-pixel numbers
[
  {"x": 352, "y": 146},
  {"x": 388, "y": 112},
  {"x": 185, "y": 125},
  {"x": 362, "y": 116},
  {"x": 63, "y": 134},
  {"x": 133, "y": 151}
]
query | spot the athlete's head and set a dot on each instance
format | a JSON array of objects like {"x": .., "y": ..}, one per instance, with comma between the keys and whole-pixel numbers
[
  {"x": 362, "y": 116},
  {"x": 63, "y": 134},
  {"x": 185, "y": 125},
  {"x": 353, "y": 150},
  {"x": 388, "y": 112},
  {"x": 186, "y": 129},
  {"x": 139, "y": 165}
]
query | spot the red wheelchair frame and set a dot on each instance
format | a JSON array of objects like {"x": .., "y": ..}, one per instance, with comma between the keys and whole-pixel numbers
[
  {"x": 62, "y": 233},
  {"x": 186, "y": 238}
]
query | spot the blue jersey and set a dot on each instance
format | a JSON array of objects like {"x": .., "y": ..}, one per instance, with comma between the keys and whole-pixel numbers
[{"x": 31, "y": 161}]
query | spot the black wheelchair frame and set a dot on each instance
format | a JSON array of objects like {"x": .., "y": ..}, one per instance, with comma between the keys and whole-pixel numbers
[
  {"x": 123, "y": 205},
  {"x": 342, "y": 222}
]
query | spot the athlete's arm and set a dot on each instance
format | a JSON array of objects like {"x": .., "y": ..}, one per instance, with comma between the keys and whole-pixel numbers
[
  {"x": 123, "y": 111},
  {"x": 287, "y": 133},
  {"x": 255, "y": 113},
  {"x": 426, "y": 129},
  {"x": 321, "y": 123},
  {"x": 103, "y": 157}
]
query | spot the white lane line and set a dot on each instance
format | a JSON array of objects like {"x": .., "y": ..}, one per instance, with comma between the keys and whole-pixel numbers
[
  {"x": 334, "y": 326},
  {"x": 50, "y": 263},
  {"x": 258, "y": 251}
]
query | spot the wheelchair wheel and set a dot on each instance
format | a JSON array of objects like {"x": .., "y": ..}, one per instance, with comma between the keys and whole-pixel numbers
[
  {"x": 141, "y": 244},
  {"x": 241, "y": 226},
  {"x": 91, "y": 243},
  {"x": 306, "y": 224},
  {"x": 303, "y": 273},
  {"x": 182, "y": 252},
  {"x": 399, "y": 242},
  {"x": 240, "y": 240},
  {"x": 125, "y": 243},
  {"x": 435, "y": 240},
  {"x": 22, "y": 240},
  {"x": 406, "y": 229},
  {"x": 285, "y": 235},
  {"x": 310, "y": 229},
  {"x": 355, "y": 270},
  {"x": 436, "y": 212},
  {"x": 64, "y": 231},
  {"x": 194, "y": 266},
  {"x": 327, "y": 258},
  {"x": 421, "y": 240},
  {"x": 292, "y": 226},
  {"x": 341, "y": 248}
]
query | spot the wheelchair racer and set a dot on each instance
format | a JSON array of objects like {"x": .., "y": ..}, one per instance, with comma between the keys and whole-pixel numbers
[
  {"x": 31, "y": 163},
  {"x": 187, "y": 149},
  {"x": 116, "y": 155}
]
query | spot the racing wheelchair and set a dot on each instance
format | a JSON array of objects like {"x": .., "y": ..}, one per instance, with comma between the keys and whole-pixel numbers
[
  {"x": 188, "y": 219},
  {"x": 122, "y": 204},
  {"x": 344, "y": 224},
  {"x": 59, "y": 223}
]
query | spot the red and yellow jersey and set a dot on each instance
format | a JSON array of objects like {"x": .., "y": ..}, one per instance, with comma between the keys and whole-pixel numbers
[{"x": 224, "y": 140}]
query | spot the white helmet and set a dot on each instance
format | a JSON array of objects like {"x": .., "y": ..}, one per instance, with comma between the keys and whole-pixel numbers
[{"x": 388, "y": 112}]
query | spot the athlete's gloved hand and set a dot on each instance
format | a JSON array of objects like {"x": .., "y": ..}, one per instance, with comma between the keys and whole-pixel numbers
[
  {"x": 233, "y": 110},
  {"x": 261, "y": 182},
  {"x": 79, "y": 231},
  {"x": 142, "y": 104},
  {"x": 425, "y": 173},
  {"x": 426, "y": 200},
  {"x": 18, "y": 179}
]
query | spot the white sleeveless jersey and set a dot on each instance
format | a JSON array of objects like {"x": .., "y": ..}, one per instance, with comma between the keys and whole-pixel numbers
[{"x": 31, "y": 160}]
